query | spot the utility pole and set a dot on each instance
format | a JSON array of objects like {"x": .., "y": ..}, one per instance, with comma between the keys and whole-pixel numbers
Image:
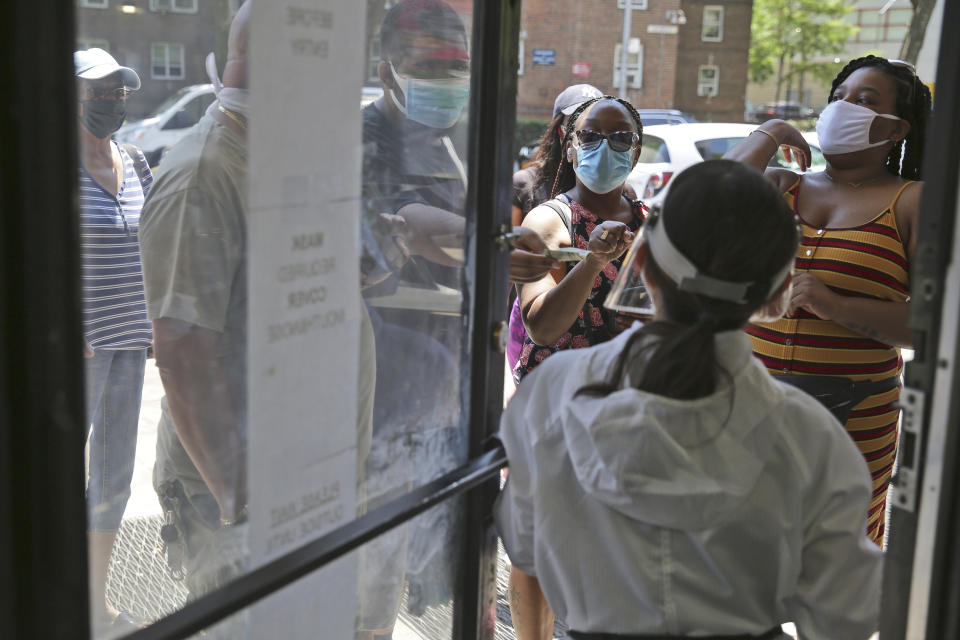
[{"x": 624, "y": 45}]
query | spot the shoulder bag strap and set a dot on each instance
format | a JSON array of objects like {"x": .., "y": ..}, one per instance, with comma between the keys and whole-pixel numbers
[
  {"x": 563, "y": 210},
  {"x": 139, "y": 163}
]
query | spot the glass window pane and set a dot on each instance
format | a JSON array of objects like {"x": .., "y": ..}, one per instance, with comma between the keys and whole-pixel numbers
[
  {"x": 404, "y": 580},
  {"x": 654, "y": 150},
  {"x": 870, "y": 34},
  {"x": 715, "y": 148},
  {"x": 274, "y": 315}
]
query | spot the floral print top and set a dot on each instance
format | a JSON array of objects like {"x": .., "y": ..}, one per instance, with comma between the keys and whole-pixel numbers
[{"x": 594, "y": 323}]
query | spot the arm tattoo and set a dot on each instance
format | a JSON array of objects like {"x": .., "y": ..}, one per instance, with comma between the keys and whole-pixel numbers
[{"x": 865, "y": 330}]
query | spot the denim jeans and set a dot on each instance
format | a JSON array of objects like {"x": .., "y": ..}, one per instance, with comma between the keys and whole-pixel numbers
[{"x": 114, "y": 384}]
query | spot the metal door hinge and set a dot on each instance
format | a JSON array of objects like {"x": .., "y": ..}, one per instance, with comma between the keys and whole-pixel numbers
[{"x": 907, "y": 479}]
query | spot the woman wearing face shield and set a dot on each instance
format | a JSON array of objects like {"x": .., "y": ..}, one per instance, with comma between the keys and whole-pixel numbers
[
  {"x": 663, "y": 485},
  {"x": 563, "y": 310},
  {"x": 841, "y": 337}
]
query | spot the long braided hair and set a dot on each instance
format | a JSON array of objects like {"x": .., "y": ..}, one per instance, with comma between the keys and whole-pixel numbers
[
  {"x": 545, "y": 162},
  {"x": 914, "y": 104},
  {"x": 564, "y": 179}
]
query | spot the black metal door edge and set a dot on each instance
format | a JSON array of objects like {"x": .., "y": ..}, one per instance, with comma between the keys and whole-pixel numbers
[
  {"x": 276, "y": 574},
  {"x": 42, "y": 508},
  {"x": 933, "y": 253},
  {"x": 496, "y": 27}
]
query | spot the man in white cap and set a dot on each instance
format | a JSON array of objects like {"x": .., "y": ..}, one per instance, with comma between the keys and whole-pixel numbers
[{"x": 113, "y": 182}]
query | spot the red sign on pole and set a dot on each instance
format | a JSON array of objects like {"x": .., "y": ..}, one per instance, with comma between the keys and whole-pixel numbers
[{"x": 580, "y": 69}]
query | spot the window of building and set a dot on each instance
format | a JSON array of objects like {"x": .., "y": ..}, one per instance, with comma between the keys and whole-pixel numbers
[
  {"x": 634, "y": 66},
  {"x": 708, "y": 80},
  {"x": 95, "y": 4},
  {"x": 175, "y": 6},
  {"x": 634, "y": 4},
  {"x": 373, "y": 54},
  {"x": 712, "y": 24},
  {"x": 166, "y": 61},
  {"x": 92, "y": 43},
  {"x": 520, "y": 52},
  {"x": 875, "y": 27}
]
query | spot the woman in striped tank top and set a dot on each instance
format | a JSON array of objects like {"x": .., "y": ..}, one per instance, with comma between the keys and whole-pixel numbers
[{"x": 847, "y": 321}]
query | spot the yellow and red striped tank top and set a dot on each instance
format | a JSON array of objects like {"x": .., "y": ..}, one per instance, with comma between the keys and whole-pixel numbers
[{"x": 867, "y": 261}]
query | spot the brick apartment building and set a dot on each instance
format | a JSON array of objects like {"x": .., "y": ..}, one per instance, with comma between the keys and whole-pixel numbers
[
  {"x": 165, "y": 41},
  {"x": 695, "y": 61}
]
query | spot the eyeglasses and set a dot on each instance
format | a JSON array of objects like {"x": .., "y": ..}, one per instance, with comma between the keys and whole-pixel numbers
[
  {"x": 618, "y": 140},
  {"x": 903, "y": 64},
  {"x": 97, "y": 93}
]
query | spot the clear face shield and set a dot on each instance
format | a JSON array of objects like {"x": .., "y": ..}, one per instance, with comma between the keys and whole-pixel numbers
[{"x": 629, "y": 295}]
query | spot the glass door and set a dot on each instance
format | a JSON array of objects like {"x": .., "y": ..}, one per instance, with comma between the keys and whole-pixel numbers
[{"x": 283, "y": 281}]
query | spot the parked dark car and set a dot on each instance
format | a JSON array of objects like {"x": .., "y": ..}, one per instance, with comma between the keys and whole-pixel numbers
[
  {"x": 664, "y": 116},
  {"x": 784, "y": 111}
]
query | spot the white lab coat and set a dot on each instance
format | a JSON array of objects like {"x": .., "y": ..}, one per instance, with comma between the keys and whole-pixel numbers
[{"x": 728, "y": 514}]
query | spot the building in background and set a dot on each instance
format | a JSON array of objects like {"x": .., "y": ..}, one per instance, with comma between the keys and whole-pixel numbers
[
  {"x": 881, "y": 27},
  {"x": 689, "y": 55},
  {"x": 127, "y": 29}
]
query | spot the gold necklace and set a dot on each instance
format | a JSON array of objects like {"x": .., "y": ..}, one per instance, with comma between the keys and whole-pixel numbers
[
  {"x": 855, "y": 185},
  {"x": 233, "y": 116}
]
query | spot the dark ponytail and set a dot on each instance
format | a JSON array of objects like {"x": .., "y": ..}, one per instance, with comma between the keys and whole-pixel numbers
[{"x": 733, "y": 225}]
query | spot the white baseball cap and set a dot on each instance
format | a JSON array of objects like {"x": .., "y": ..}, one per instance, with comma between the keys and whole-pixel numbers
[{"x": 94, "y": 64}]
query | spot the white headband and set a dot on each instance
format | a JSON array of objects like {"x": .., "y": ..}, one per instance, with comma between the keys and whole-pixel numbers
[{"x": 679, "y": 269}]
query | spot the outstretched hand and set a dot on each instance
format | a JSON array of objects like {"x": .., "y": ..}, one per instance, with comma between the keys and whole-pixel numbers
[
  {"x": 527, "y": 261},
  {"x": 608, "y": 241}
]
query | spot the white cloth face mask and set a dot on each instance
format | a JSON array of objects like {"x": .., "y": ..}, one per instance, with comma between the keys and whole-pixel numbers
[{"x": 844, "y": 127}]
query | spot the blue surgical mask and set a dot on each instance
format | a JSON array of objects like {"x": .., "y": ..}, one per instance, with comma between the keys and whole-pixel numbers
[
  {"x": 602, "y": 169},
  {"x": 434, "y": 103}
]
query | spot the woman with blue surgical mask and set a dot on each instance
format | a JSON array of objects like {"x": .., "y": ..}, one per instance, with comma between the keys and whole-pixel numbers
[
  {"x": 592, "y": 221},
  {"x": 846, "y": 321}
]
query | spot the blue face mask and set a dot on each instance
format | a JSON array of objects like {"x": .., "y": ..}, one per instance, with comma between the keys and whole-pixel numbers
[
  {"x": 602, "y": 169},
  {"x": 434, "y": 103}
]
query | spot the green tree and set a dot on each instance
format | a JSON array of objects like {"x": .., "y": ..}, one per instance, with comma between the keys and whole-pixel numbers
[{"x": 789, "y": 39}]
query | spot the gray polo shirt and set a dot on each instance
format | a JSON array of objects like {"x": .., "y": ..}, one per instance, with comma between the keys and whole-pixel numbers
[{"x": 193, "y": 244}]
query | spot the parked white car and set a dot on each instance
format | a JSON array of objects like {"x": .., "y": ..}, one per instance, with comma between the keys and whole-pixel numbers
[
  {"x": 168, "y": 122},
  {"x": 174, "y": 116},
  {"x": 669, "y": 149}
]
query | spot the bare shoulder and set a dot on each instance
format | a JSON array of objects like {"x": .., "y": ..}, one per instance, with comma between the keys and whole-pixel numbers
[
  {"x": 547, "y": 222},
  {"x": 782, "y": 179},
  {"x": 907, "y": 213},
  {"x": 909, "y": 202}
]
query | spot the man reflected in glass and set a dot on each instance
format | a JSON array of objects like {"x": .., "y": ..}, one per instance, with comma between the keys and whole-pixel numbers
[
  {"x": 412, "y": 231},
  {"x": 194, "y": 248}
]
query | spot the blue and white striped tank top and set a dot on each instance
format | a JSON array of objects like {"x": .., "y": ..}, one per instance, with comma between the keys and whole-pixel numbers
[{"x": 114, "y": 306}]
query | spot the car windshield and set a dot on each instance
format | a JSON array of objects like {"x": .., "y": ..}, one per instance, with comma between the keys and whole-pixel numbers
[
  {"x": 166, "y": 104},
  {"x": 716, "y": 147}
]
